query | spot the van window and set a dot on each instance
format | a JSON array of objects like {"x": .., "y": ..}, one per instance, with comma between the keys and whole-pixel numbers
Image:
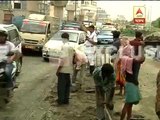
[{"x": 34, "y": 27}]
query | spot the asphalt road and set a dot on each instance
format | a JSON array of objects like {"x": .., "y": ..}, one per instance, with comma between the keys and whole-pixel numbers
[{"x": 35, "y": 81}]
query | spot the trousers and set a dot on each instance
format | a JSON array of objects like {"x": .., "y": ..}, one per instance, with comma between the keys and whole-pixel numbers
[
  {"x": 64, "y": 82},
  {"x": 8, "y": 75}
]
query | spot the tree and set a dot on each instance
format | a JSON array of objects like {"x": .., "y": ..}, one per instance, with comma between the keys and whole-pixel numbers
[
  {"x": 156, "y": 23},
  {"x": 121, "y": 19}
]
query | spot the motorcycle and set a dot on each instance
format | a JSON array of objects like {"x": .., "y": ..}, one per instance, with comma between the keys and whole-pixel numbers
[{"x": 6, "y": 94}]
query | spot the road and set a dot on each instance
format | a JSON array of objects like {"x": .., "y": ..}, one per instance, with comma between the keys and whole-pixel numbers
[
  {"x": 28, "y": 101},
  {"x": 38, "y": 78}
]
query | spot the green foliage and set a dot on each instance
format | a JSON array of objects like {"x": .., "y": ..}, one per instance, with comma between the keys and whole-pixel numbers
[
  {"x": 156, "y": 23},
  {"x": 128, "y": 32},
  {"x": 131, "y": 32}
]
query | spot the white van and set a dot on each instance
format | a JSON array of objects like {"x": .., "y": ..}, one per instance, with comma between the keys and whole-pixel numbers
[{"x": 37, "y": 29}]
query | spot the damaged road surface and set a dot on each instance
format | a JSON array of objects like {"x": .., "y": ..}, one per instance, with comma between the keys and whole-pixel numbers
[
  {"x": 28, "y": 100},
  {"x": 83, "y": 107}
]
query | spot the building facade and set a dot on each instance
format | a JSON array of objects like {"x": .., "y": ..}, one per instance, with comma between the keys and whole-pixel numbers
[
  {"x": 22, "y": 8},
  {"x": 101, "y": 15},
  {"x": 82, "y": 10}
]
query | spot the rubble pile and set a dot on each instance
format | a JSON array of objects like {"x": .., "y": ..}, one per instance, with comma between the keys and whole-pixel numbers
[{"x": 154, "y": 37}]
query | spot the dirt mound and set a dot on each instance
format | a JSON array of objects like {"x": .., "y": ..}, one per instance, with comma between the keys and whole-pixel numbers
[
  {"x": 87, "y": 114},
  {"x": 154, "y": 37}
]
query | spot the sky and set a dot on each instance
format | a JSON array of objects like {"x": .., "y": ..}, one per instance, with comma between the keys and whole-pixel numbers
[{"x": 125, "y": 8}]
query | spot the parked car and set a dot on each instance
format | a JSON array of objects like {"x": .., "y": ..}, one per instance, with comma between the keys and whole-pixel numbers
[
  {"x": 87, "y": 23},
  {"x": 52, "y": 49},
  {"x": 105, "y": 37},
  {"x": 15, "y": 38},
  {"x": 71, "y": 26},
  {"x": 108, "y": 27}
]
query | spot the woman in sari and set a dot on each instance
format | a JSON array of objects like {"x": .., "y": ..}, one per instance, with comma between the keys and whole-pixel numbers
[{"x": 120, "y": 77}]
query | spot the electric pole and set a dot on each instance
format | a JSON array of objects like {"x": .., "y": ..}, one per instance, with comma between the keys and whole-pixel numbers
[{"x": 75, "y": 11}]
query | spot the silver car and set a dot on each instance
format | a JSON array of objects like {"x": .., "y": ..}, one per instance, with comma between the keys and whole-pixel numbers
[{"x": 105, "y": 37}]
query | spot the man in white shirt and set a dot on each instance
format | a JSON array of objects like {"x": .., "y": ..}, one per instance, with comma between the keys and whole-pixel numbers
[
  {"x": 65, "y": 69},
  {"x": 5, "y": 48},
  {"x": 90, "y": 44}
]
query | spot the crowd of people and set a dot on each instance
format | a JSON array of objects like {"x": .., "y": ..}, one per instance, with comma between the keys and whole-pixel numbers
[{"x": 123, "y": 72}]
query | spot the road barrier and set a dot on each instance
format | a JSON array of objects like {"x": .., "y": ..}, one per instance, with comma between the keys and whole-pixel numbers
[{"x": 102, "y": 55}]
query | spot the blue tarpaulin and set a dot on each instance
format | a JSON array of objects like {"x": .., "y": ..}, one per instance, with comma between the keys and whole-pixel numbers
[{"x": 17, "y": 21}]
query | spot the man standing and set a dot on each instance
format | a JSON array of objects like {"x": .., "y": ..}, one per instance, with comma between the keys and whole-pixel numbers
[
  {"x": 138, "y": 45},
  {"x": 64, "y": 70},
  {"x": 117, "y": 41},
  {"x": 90, "y": 43}
]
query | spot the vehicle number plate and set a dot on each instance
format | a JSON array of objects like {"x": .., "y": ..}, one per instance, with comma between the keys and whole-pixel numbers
[
  {"x": 29, "y": 46},
  {"x": 54, "y": 54}
]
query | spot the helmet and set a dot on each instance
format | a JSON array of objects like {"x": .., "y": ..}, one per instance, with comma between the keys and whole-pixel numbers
[{"x": 3, "y": 33}]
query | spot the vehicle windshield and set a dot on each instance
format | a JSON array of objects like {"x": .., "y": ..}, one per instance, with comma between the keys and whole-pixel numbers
[
  {"x": 73, "y": 37},
  {"x": 106, "y": 32},
  {"x": 34, "y": 27}
]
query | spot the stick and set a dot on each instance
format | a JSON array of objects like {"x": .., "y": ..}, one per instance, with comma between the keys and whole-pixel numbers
[{"x": 106, "y": 110}]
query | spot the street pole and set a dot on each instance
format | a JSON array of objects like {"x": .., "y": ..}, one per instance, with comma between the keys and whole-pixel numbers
[
  {"x": 150, "y": 18},
  {"x": 44, "y": 6},
  {"x": 75, "y": 17}
]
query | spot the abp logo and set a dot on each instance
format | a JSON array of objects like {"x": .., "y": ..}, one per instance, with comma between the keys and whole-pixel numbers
[{"x": 139, "y": 12}]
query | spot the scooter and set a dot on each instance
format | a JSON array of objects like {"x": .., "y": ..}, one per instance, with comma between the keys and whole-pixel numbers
[{"x": 6, "y": 94}]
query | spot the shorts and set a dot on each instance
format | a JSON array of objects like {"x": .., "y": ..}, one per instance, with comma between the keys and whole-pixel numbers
[{"x": 132, "y": 93}]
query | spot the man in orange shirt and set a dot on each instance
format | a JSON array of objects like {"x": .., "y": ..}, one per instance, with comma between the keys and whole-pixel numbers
[{"x": 80, "y": 62}]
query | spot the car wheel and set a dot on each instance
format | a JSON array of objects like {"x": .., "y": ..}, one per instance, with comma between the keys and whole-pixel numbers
[
  {"x": 19, "y": 66},
  {"x": 46, "y": 59}
]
